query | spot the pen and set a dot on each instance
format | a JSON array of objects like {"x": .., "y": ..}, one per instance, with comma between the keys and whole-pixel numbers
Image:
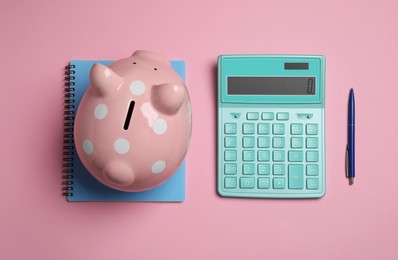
[{"x": 350, "y": 152}]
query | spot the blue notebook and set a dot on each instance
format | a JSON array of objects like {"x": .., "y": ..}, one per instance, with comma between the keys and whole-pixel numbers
[{"x": 78, "y": 184}]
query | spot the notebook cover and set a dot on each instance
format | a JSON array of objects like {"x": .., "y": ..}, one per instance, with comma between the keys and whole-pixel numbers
[{"x": 80, "y": 185}]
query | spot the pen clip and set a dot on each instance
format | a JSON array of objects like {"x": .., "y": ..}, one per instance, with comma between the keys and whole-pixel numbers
[{"x": 346, "y": 162}]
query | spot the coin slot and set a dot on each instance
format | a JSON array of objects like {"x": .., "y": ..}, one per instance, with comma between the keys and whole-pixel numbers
[{"x": 129, "y": 114}]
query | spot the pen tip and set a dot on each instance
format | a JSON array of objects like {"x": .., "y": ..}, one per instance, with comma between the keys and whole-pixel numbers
[{"x": 351, "y": 181}]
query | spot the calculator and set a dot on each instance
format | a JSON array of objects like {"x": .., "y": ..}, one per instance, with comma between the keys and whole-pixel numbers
[{"x": 271, "y": 126}]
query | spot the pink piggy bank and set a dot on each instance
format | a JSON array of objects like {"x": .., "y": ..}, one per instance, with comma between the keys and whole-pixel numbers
[{"x": 133, "y": 125}]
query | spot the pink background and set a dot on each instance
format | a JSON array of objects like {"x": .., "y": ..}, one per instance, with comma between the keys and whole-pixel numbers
[{"x": 360, "y": 42}]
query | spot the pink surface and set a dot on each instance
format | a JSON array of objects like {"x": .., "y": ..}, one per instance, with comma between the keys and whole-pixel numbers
[{"x": 359, "y": 40}]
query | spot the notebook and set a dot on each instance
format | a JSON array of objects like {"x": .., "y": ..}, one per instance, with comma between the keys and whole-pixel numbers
[{"x": 78, "y": 183}]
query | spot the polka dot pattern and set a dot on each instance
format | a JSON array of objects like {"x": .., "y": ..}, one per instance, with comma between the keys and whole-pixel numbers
[
  {"x": 137, "y": 88},
  {"x": 88, "y": 147},
  {"x": 100, "y": 112},
  {"x": 160, "y": 126},
  {"x": 158, "y": 167},
  {"x": 121, "y": 146}
]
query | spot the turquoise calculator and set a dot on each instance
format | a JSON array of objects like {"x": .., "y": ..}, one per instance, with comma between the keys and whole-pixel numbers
[{"x": 271, "y": 126}]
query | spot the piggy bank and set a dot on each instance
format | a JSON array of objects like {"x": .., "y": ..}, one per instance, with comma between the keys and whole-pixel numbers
[{"x": 133, "y": 125}]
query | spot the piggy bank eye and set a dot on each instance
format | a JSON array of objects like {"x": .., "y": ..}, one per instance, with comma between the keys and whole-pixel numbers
[
  {"x": 155, "y": 68},
  {"x": 134, "y": 62}
]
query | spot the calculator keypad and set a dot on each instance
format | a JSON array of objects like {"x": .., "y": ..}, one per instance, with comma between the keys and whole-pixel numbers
[{"x": 271, "y": 152}]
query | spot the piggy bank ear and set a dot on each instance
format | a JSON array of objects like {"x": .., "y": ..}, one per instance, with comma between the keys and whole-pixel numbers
[
  {"x": 104, "y": 81},
  {"x": 168, "y": 98}
]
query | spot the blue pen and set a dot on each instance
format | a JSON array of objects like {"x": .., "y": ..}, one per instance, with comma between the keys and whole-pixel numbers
[{"x": 350, "y": 152}]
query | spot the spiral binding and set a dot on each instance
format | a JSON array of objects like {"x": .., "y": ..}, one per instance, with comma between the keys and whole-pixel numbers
[{"x": 69, "y": 119}]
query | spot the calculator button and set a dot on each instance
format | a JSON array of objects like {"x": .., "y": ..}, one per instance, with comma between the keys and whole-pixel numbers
[
  {"x": 248, "y": 142},
  {"x": 263, "y": 142},
  {"x": 296, "y": 129},
  {"x": 312, "y": 142},
  {"x": 264, "y": 156},
  {"x": 252, "y": 116},
  {"x": 312, "y": 169},
  {"x": 312, "y": 183},
  {"x": 248, "y": 168},
  {"x": 304, "y": 115},
  {"x": 263, "y": 183},
  {"x": 230, "y": 155},
  {"x": 230, "y": 142},
  {"x": 248, "y": 128},
  {"x": 278, "y": 183},
  {"x": 311, "y": 129},
  {"x": 296, "y": 176},
  {"x": 295, "y": 156},
  {"x": 278, "y": 142},
  {"x": 247, "y": 183},
  {"x": 278, "y": 156},
  {"x": 278, "y": 169},
  {"x": 248, "y": 155},
  {"x": 230, "y": 168},
  {"x": 230, "y": 128},
  {"x": 312, "y": 156},
  {"x": 267, "y": 116},
  {"x": 263, "y": 169},
  {"x": 234, "y": 115},
  {"x": 230, "y": 182},
  {"x": 282, "y": 116},
  {"x": 296, "y": 142},
  {"x": 263, "y": 128},
  {"x": 278, "y": 129}
]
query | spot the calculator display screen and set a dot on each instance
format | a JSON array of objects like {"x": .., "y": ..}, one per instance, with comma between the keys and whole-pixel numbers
[{"x": 271, "y": 85}]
